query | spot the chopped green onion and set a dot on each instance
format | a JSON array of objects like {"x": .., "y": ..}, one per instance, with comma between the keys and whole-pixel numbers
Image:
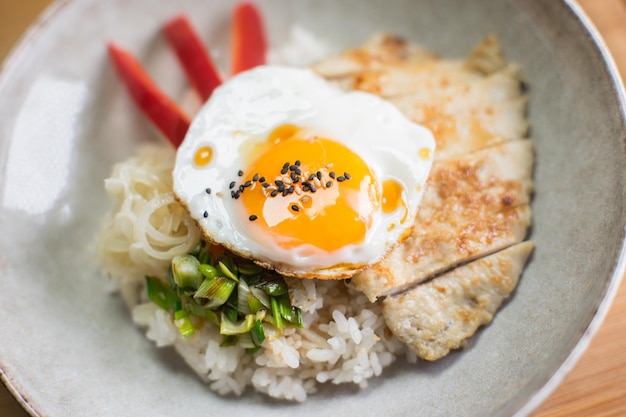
[
  {"x": 208, "y": 271},
  {"x": 243, "y": 293},
  {"x": 228, "y": 326},
  {"x": 202, "y": 312},
  {"x": 254, "y": 305},
  {"x": 257, "y": 333},
  {"x": 217, "y": 291},
  {"x": 230, "y": 312},
  {"x": 160, "y": 294},
  {"x": 275, "y": 287},
  {"x": 244, "y": 340},
  {"x": 250, "y": 269},
  {"x": 229, "y": 340},
  {"x": 261, "y": 296},
  {"x": 278, "y": 320},
  {"x": 226, "y": 271},
  {"x": 186, "y": 271},
  {"x": 184, "y": 324}
]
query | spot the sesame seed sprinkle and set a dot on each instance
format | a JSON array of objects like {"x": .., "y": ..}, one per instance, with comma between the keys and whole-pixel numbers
[
  {"x": 205, "y": 214},
  {"x": 253, "y": 217},
  {"x": 295, "y": 207},
  {"x": 232, "y": 184},
  {"x": 208, "y": 191},
  {"x": 240, "y": 173}
]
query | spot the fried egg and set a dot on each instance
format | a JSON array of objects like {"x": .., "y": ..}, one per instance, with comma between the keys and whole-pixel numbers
[{"x": 283, "y": 168}]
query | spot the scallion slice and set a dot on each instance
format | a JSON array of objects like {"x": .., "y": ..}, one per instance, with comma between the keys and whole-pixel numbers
[
  {"x": 278, "y": 319},
  {"x": 202, "y": 312},
  {"x": 208, "y": 271},
  {"x": 275, "y": 287},
  {"x": 186, "y": 271},
  {"x": 160, "y": 294},
  {"x": 227, "y": 326},
  {"x": 256, "y": 333},
  {"x": 184, "y": 324},
  {"x": 216, "y": 291},
  {"x": 227, "y": 271}
]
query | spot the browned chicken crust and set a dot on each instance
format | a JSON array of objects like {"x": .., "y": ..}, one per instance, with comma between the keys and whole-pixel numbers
[
  {"x": 440, "y": 315},
  {"x": 464, "y": 256}
]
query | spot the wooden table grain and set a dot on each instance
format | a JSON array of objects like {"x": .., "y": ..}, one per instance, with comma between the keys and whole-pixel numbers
[{"x": 596, "y": 387}]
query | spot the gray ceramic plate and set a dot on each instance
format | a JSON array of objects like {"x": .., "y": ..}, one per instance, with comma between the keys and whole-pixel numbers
[{"x": 69, "y": 349}]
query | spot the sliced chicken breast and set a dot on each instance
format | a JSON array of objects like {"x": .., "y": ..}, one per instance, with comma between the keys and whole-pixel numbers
[
  {"x": 438, "y": 316},
  {"x": 472, "y": 206}
]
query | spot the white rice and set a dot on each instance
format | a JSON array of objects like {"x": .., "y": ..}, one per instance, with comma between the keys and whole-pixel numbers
[{"x": 345, "y": 341}]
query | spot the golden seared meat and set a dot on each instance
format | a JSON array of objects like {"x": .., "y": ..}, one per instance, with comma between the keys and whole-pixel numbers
[
  {"x": 472, "y": 206},
  {"x": 452, "y": 273},
  {"x": 467, "y": 104},
  {"x": 440, "y": 315}
]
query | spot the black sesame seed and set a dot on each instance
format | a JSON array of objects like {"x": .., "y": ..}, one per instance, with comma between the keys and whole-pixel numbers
[
  {"x": 306, "y": 184},
  {"x": 205, "y": 214},
  {"x": 347, "y": 176},
  {"x": 274, "y": 193},
  {"x": 232, "y": 194},
  {"x": 266, "y": 184},
  {"x": 319, "y": 175},
  {"x": 332, "y": 174},
  {"x": 295, "y": 208},
  {"x": 293, "y": 168},
  {"x": 262, "y": 179},
  {"x": 241, "y": 188},
  {"x": 240, "y": 173},
  {"x": 297, "y": 163},
  {"x": 252, "y": 218},
  {"x": 291, "y": 189},
  {"x": 311, "y": 177},
  {"x": 208, "y": 191},
  {"x": 237, "y": 194},
  {"x": 285, "y": 168},
  {"x": 232, "y": 184},
  {"x": 285, "y": 192},
  {"x": 279, "y": 183},
  {"x": 247, "y": 183},
  {"x": 256, "y": 177},
  {"x": 329, "y": 184},
  {"x": 312, "y": 188},
  {"x": 341, "y": 178}
]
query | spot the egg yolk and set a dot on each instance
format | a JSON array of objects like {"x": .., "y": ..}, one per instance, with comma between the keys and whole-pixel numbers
[{"x": 305, "y": 189}]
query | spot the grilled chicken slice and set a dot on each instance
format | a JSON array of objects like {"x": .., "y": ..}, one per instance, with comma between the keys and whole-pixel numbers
[
  {"x": 467, "y": 104},
  {"x": 438, "y": 316},
  {"x": 472, "y": 206},
  {"x": 380, "y": 51}
]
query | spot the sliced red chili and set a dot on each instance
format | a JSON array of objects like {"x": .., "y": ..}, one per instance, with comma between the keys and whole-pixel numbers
[
  {"x": 164, "y": 113},
  {"x": 249, "y": 45},
  {"x": 191, "y": 53}
]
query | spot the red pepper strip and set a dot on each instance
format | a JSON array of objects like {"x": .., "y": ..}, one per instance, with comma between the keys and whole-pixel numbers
[
  {"x": 155, "y": 105},
  {"x": 248, "y": 38},
  {"x": 192, "y": 55}
]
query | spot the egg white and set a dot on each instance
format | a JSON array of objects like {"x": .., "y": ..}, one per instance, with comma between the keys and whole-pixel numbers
[{"x": 245, "y": 109}]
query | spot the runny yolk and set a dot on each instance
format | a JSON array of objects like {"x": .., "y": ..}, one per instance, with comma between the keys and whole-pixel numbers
[
  {"x": 203, "y": 156},
  {"x": 393, "y": 198},
  {"x": 333, "y": 198}
]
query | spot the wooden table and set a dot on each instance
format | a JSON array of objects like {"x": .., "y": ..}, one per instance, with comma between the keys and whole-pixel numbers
[{"x": 597, "y": 385}]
